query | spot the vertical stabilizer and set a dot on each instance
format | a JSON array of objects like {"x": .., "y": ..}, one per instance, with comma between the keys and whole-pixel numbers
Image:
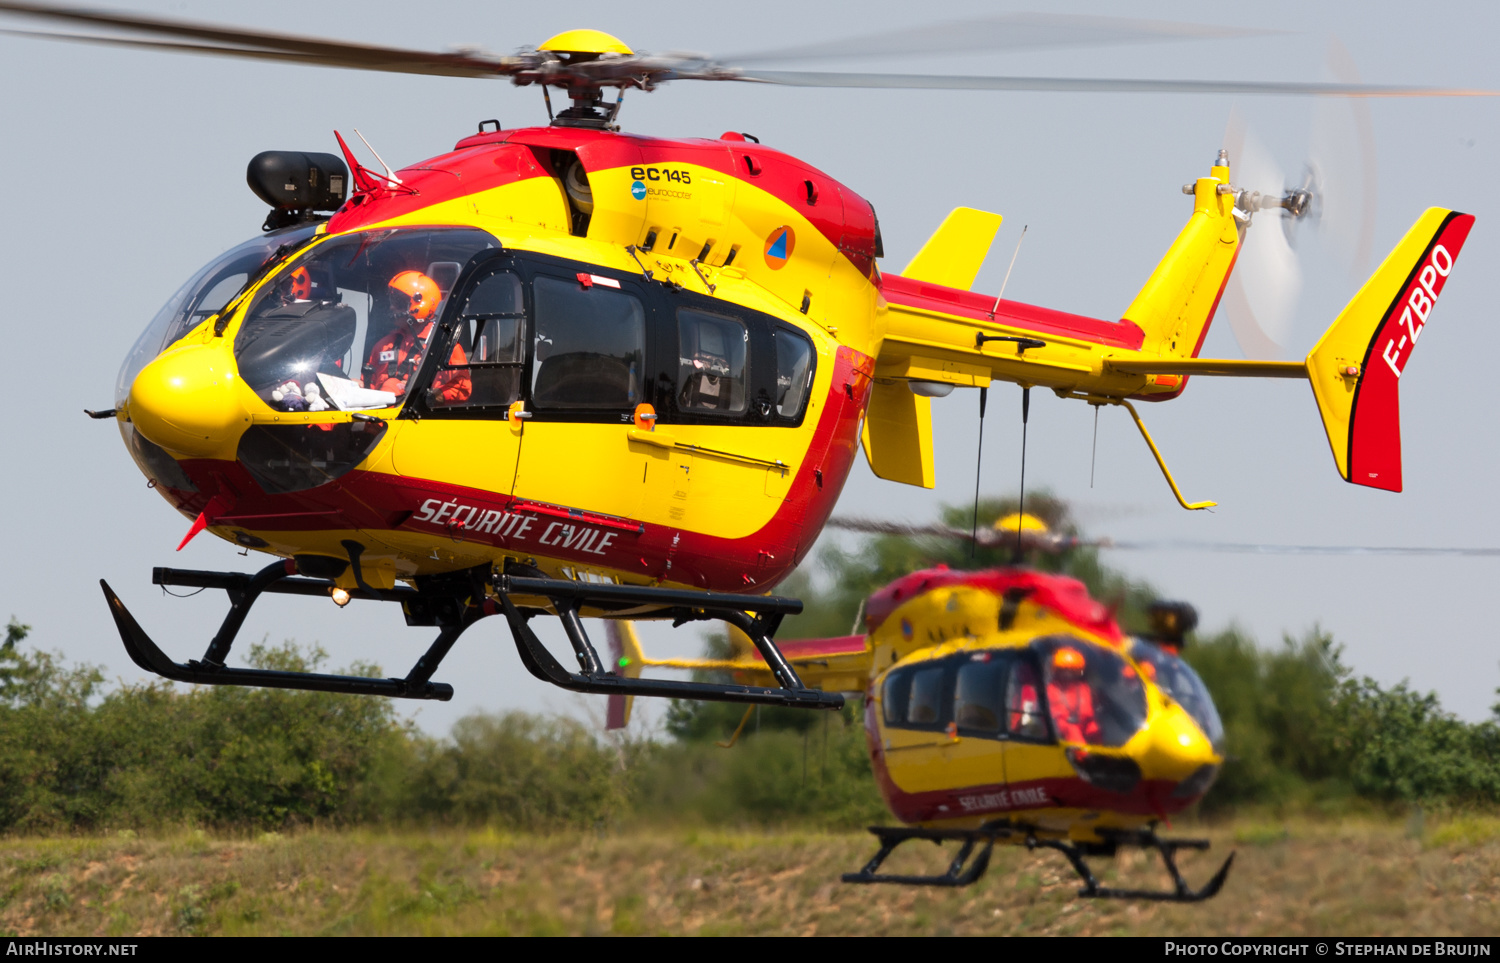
[
  {"x": 897, "y": 435},
  {"x": 1356, "y": 367},
  {"x": 625, "y": 649},
  {"x": 1177, "y": 304}
]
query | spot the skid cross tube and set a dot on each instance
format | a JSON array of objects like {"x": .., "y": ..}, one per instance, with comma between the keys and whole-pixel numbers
[
  {"x": 1146, "y": 839},
  {"x": 957, "y": 875},
  {"x": 282, "y": 585},
  {"x": 684, "y": 606},
  {"x": 243, "y": 591}
]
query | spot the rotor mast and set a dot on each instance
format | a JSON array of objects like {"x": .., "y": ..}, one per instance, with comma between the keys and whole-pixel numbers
[{"x": 585, "y": 62}]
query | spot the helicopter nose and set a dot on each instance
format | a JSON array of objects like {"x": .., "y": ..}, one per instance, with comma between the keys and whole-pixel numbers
[
  {"x": 1177, "y": 747},
  {"x": 187, "y": 401}
]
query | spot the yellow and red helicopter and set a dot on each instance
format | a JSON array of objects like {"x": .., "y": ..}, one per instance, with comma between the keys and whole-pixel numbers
[
  {"x": 1006, "y": 705},
  {"x": 574, "y": 371}
]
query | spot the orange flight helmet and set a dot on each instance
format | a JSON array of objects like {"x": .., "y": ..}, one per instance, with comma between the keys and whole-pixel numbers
[
  {"x": 1068, "y": 659},
  {"x": 422, "y": 290},
  {"x": 300, "y": 285}
]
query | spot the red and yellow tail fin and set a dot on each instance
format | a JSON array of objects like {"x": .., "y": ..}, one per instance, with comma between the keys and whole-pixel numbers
[
  {"x": 625, "y": 649},
  {"x": 1356, "y": 367}
]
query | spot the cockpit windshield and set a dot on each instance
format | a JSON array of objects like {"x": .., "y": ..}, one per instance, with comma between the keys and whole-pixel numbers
[
  {"x": 347, "y": 325},
  {"x": 1095, "y": 697},
  {"x": 203, "y": 296},
  {"x": 1177, "y": 679}
]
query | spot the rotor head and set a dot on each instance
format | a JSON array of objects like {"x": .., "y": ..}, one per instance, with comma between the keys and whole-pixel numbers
[{"x": 581, "y": 43}]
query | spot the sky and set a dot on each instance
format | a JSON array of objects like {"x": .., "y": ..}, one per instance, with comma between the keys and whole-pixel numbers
[{"x": 122, "y": 174}]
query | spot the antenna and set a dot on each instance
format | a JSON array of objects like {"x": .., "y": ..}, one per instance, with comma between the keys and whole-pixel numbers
[
  {"x": 984, "y": 397},
  {"x": 1094, "y": 453},
  {"x": 1021, "y": 508},
  {"x": 1024, "y": 229},
  {"x": 390, "y": 175}
]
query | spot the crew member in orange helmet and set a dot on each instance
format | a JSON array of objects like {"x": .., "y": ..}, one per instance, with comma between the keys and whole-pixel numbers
[
  {"x": 295, "y": 287},
  {"x": 397, "y": 356},
  {"x": 1070, "y": 699}
]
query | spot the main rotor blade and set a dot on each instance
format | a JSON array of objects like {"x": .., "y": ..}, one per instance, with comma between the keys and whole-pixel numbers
[
  {"x": 1012, "y": 32},
  {"x": 1256, "y": 549},
  {"x": 414, "y": 66},
  {"x": 258, "y": 44},
  {"x": 794, "y": 78},
  {"x": 989, "y": 536},
  {"x": 872, "y": 526}
]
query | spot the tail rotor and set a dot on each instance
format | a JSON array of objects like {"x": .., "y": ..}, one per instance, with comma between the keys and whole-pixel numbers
[{"x": 1327, "y": 210}]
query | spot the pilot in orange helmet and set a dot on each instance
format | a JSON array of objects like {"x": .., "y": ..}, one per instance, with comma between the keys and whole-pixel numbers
[
  {"x": 295, "y": 287},
  {"x": 396, "y": 357},
  {"x": 1070, "y": 698},
  {"x": 300, "y": 286}
]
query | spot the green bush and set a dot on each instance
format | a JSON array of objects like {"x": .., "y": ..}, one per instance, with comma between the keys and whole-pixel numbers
[
  {"x": 74, "y": 756},
  {"x": 818, "y": 774},
  {"x": 1277, "y": 708},
  {"x": 1394, "y": 744},
  {"x": 520, "y": 770}
]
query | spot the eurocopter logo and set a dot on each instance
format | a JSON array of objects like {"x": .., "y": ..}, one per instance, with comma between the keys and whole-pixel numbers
[
  {"x": 638, "y": 191},
  {"x": 779, "y": 247}
]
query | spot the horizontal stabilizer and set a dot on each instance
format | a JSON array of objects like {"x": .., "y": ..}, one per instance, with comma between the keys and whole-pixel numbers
[
  {"x": 839, "y": 664},
  {"x": 1356, "y": 367}
]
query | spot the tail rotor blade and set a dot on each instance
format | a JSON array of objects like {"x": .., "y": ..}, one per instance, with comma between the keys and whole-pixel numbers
[{"x": 1262, "y": 293}]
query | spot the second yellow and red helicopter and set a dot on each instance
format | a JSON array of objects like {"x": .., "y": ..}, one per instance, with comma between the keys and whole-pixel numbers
[{"x": 1008, "y": 706}]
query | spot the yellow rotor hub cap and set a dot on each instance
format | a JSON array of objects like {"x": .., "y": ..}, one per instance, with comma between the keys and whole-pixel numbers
[
  {"x": 1026, "y": 523},
  {"x": 585, "y": 42}
]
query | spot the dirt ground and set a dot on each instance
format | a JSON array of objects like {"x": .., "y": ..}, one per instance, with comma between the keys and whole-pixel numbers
[{"x": 1355, "y": 877}]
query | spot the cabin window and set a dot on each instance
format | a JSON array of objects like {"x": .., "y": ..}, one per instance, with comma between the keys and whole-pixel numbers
[
  {"x": 589, "y": 344},
  {"x": 204, "y": 295},
  {"x": 294, "y": 458},
  {"x": 711, "y": 362},
  {"x": 484, "y": 366},
  {"x": 914, "y": 697},
  {"x": 1178, "y": 680},
  {"x": 794, "y": 370},
  {"x": 893, "y": 696},
  {"x": 979, "y": 694},
  {"x": 1025, "y": 718},
  {"x": 1094, "y": 696},
  {"x": 969, "y": 691},
  {"x": 346, "y": 326},
  {"x": 924, "y": 704}
]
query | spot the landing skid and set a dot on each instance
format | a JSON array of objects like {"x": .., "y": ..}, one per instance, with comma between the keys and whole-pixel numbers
[
  {"x": 962, "y": 871},
  {"x": 455, "y": 602}
]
